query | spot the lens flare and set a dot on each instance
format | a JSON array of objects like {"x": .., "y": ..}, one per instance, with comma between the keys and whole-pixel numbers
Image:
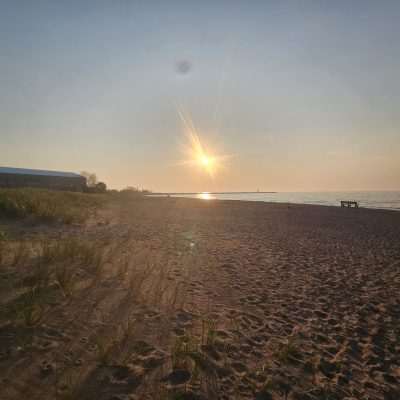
[{"x": 196, "y": 152}]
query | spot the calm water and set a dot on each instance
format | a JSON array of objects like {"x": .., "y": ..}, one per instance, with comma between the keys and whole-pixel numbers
[{"x": 385, "y": 200}]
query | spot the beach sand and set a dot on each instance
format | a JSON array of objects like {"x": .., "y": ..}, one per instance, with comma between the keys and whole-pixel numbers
[{"x": 220, "y": 299}]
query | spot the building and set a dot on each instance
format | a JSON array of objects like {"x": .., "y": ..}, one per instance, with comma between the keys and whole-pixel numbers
[{"x": 35, "y": 178}]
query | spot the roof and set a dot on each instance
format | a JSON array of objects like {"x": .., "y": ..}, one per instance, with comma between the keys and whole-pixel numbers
[{"x": 24, "y": 171}]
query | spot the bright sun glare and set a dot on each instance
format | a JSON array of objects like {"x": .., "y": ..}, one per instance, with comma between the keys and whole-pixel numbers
[
  {"x": 205, "y": 196},
  {"x": 196, "y": 152},
  {"x": 206, "y": 161}
]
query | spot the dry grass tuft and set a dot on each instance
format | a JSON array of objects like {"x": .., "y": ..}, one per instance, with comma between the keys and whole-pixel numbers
[
  {"x": 50, "y": 268},
  {"x": 113, "y": 349},
  {"x": 148, "y": 281},
  {"x": 66, "y": 258},
  {"x": 288, "y": 351},
  {"x": 187, "y": 355},
  {"x": 20, "y": 254},
  {"x": 209, "y": 331},
  {"x": 30, "y": 308}
]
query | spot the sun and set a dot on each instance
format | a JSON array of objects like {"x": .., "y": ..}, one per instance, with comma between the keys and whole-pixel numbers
[
  {"x": 197, "y": 154},
  {"x": 202, "y": 157},
  {"x": 206, "y": 161}
]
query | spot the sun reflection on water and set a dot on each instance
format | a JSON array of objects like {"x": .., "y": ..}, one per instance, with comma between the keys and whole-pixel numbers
[{"x": 205, "y": 196}]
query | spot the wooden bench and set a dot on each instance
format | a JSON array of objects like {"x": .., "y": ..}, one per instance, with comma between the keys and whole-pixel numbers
[{"x": 349, "y": 204}]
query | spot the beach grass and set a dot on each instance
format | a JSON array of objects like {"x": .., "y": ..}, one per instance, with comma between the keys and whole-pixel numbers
[
  {"x": 46, "y": 205},
  {"x": 46, "y": 270}
]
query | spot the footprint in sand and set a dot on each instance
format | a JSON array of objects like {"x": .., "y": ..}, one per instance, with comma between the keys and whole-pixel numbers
[{"x": 46, "y": 368}]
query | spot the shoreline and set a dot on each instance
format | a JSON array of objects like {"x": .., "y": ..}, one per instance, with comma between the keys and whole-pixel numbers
[{"x": 361, "y": 207}]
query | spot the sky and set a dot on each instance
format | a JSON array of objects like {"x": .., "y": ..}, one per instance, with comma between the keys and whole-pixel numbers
[{"x": 287, "y": 95}]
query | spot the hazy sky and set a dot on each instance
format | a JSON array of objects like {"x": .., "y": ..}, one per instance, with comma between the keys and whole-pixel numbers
[{"x": 303, "y": 95}]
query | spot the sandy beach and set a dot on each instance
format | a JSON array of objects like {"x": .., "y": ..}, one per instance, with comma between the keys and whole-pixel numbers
[{"x": 216, "y": 300}]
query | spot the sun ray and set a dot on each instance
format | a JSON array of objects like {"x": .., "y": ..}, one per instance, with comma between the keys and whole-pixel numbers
[{"x": 196, "y": 152}]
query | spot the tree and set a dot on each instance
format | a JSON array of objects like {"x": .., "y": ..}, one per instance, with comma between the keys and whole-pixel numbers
[
  {"x": 91, "y": 179},
  {"x": 101, "y": 187}
]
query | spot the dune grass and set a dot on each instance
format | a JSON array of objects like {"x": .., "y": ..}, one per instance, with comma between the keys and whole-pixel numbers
[
  {"x": 46, "y": 205},
  {"x": 50, "y": 268}
]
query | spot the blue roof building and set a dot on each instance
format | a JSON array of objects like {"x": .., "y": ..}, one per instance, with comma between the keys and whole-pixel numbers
[{"x": 22, "y": 177}]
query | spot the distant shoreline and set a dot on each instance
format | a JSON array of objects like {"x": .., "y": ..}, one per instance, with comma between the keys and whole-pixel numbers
[{"x": 198, "y": 193}]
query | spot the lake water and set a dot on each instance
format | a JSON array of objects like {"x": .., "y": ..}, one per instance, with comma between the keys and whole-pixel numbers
[{"x": 383, "y": 200}]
